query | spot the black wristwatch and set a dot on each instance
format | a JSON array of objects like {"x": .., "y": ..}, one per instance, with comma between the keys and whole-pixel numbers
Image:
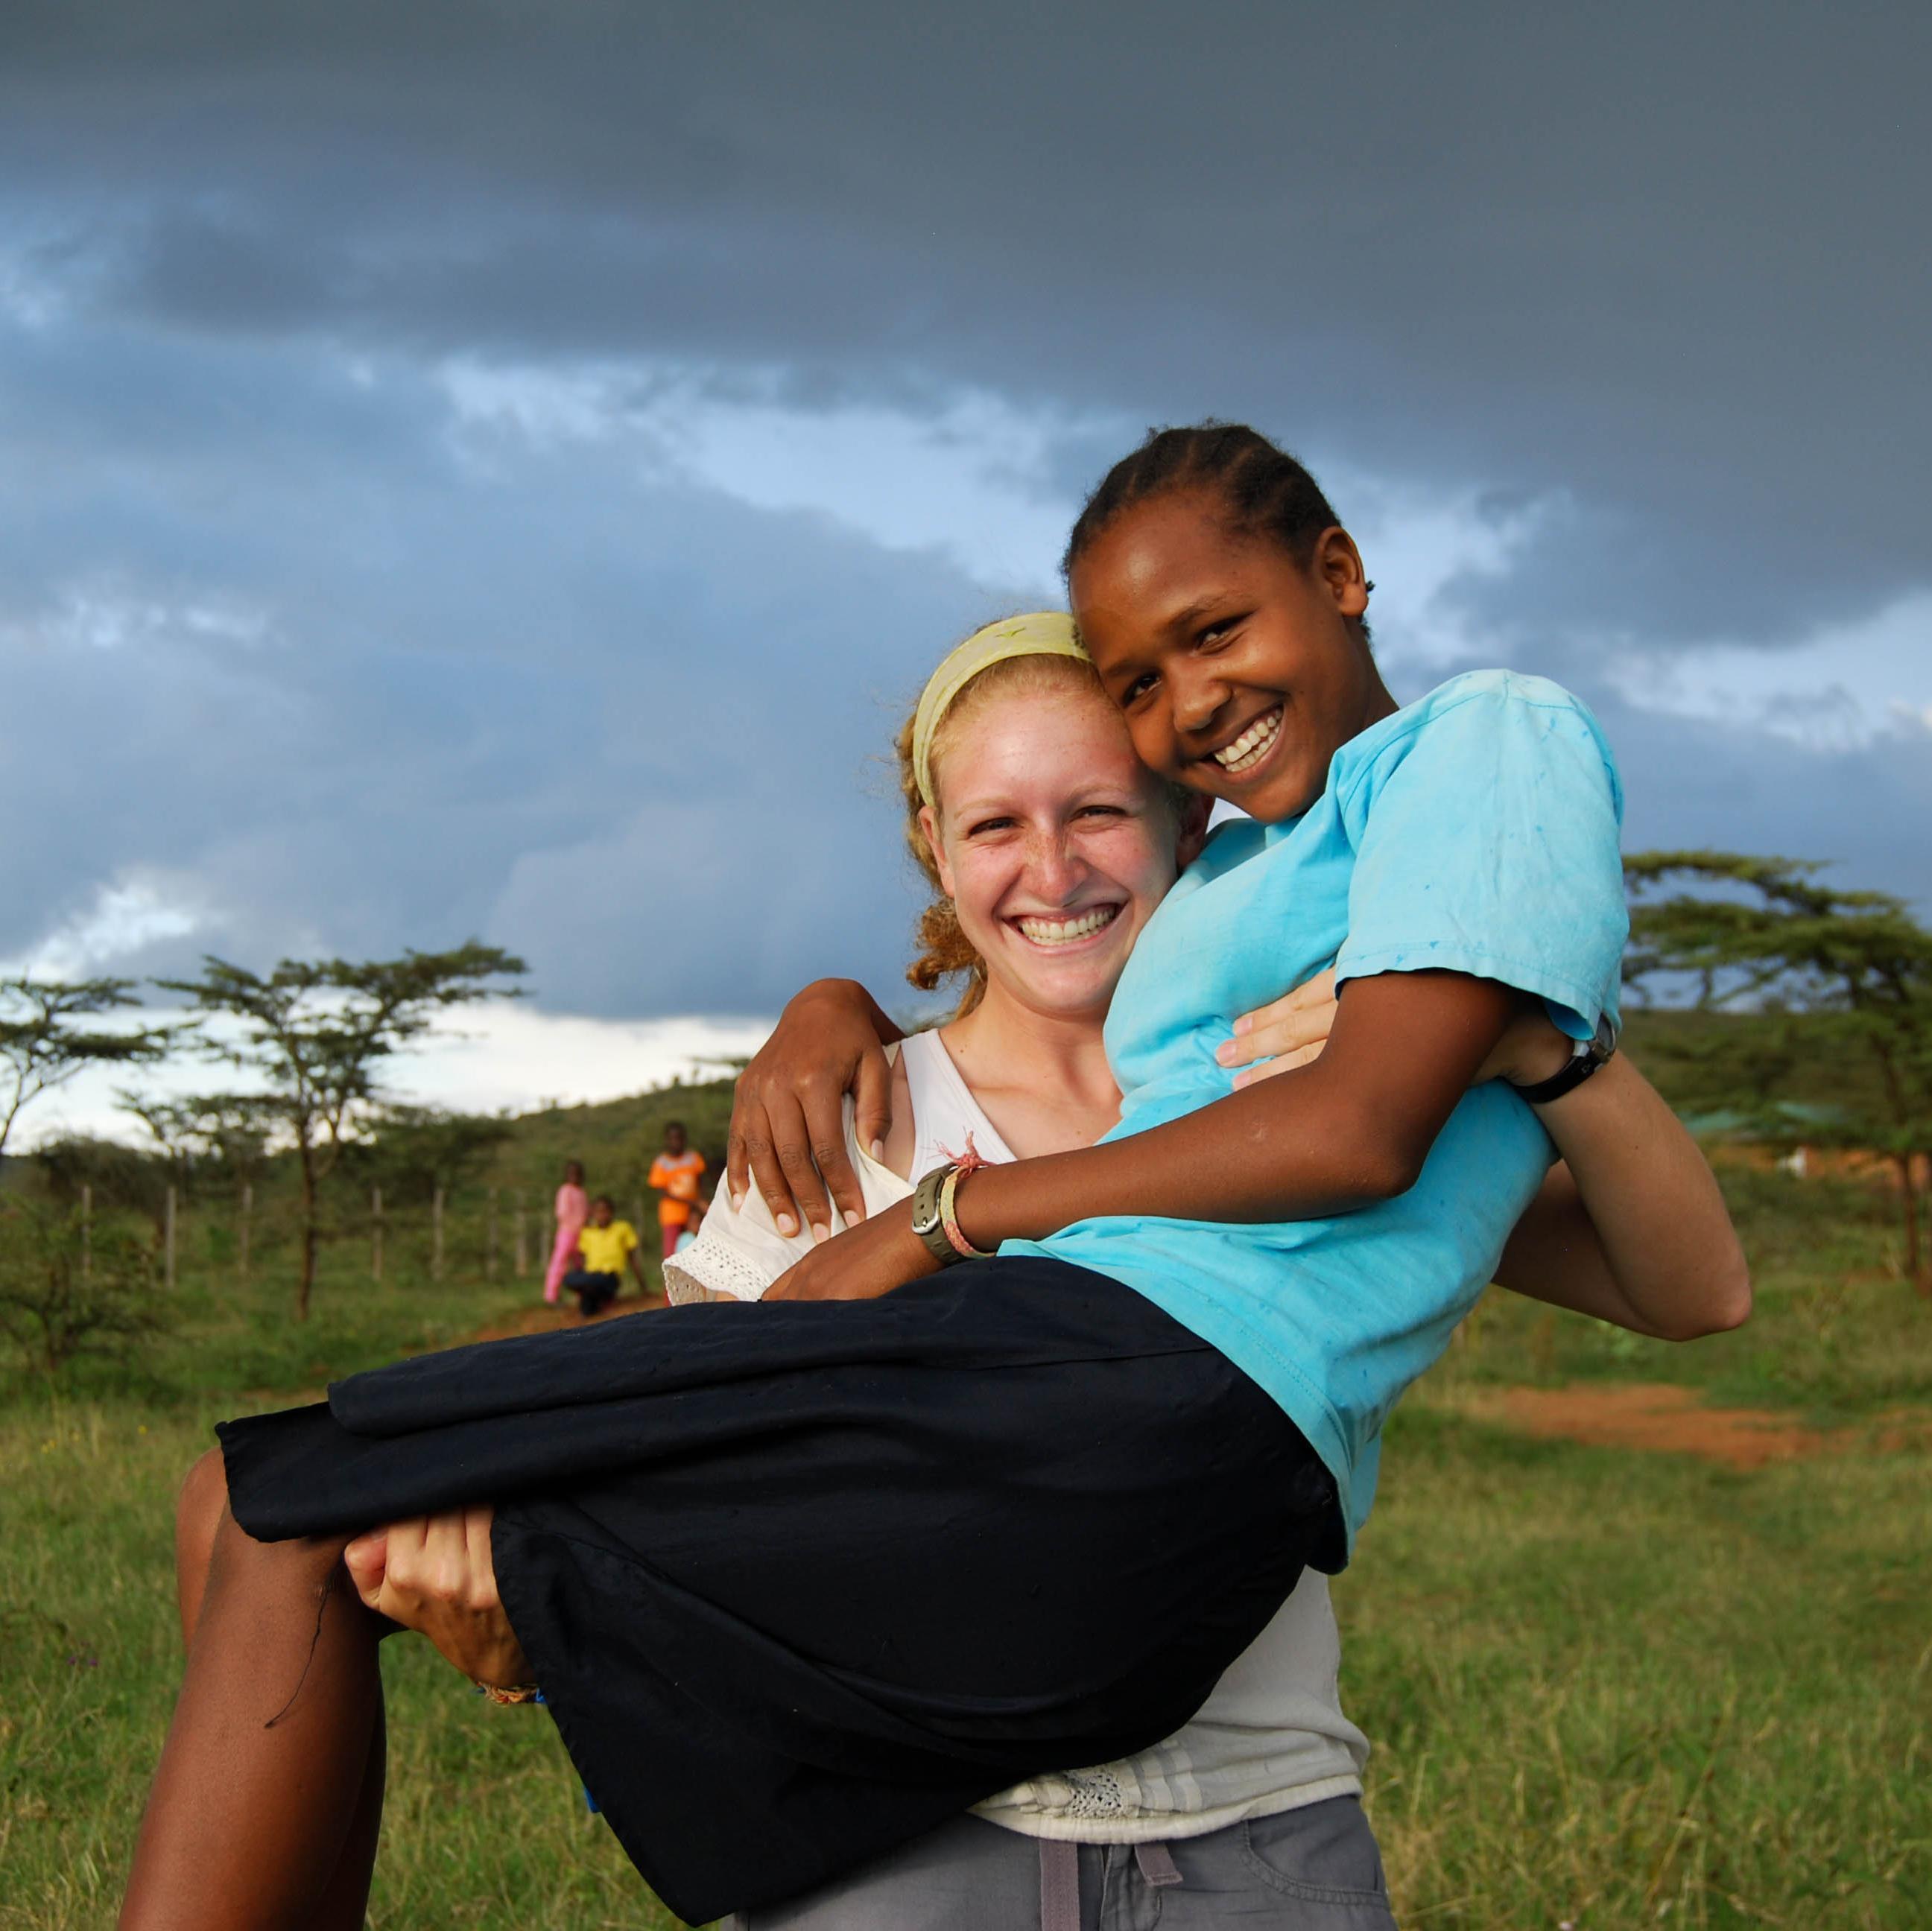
[
  {"x": 929, "y": 1220},
  {"x": 1591, "y": 1053}
]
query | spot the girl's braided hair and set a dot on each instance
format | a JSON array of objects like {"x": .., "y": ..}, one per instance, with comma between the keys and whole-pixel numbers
[{"x": 1263, "y": 491}]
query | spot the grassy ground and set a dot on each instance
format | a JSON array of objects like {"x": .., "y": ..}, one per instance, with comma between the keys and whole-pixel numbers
[{"x": 1606, "y": 1689}]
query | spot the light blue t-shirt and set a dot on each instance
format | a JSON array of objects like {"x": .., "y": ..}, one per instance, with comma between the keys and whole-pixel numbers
[{"x": 1473, "y": 832}]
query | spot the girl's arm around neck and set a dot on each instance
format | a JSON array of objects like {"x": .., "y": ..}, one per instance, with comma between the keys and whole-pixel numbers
[
  {"x": 787, "y": 1115},
  {"x": 1632, "y": 1227},
  {"x": 1351, "y": 1128}
]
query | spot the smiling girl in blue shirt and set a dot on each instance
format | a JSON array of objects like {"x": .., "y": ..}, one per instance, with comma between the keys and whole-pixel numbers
[
  {"x": 1327, "y": 1229},
  {"x": 799, "y": 1585}
]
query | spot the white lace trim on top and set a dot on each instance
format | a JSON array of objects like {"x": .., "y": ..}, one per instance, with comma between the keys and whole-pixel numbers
[{"x": 739, "y": 1251}]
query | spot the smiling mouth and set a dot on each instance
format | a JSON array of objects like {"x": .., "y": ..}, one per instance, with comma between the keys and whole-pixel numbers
[
  {"x": 1253, "y": 744},
  {"x": 1070, "y": 930}
]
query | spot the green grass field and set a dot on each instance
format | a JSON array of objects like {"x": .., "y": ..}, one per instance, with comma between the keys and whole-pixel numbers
[{"x": 1606, "y": 1688}]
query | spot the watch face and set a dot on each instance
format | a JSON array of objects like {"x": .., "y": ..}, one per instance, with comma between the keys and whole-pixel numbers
[{"x": 925, "y": 1216}]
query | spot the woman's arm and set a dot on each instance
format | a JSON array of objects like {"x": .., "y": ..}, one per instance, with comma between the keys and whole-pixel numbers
[{"x": 1630, "y": 1226}]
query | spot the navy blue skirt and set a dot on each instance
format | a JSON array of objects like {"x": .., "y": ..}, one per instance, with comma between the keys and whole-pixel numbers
[{"x": 802, "y": 1581}]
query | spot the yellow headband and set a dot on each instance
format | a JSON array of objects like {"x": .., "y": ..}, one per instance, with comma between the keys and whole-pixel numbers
[{"x": 1038, "y": 634}]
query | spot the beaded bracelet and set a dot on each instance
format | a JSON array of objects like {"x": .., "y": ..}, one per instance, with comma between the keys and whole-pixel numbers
[
  {"x": 948, "y": 1219},
  {"x": 515, "y": 1692}
]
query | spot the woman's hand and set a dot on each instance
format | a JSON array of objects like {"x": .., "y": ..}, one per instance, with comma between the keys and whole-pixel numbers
[
  {"x": 860, "y": 1264},
  {"x": 1532, "y": 1050},
  {"x": 1291, "y": 1032},
  {"x": 788, "y": 1115},
  {"x": 435, "y": 1575}
]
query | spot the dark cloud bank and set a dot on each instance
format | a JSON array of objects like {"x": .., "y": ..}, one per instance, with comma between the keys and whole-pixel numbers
[{"x": 370, "y": 678}]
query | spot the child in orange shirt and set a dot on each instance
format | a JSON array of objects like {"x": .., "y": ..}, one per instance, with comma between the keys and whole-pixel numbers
[{"x": 674, "y": 1177}]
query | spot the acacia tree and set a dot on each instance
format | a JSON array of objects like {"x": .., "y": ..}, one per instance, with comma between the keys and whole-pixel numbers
[
  {"x": 1763, "y": 935},
  {"x": 316, "y": 1034},
  {"x": 50, "y": 1029}
]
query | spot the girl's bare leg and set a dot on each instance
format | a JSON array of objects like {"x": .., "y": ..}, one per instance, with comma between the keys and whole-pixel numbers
[
  {"x": 264, "y": 1811},
  {"x": 343, "y": 1903}
]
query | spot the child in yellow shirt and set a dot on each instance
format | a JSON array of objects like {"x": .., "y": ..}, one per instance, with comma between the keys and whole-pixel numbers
[{"x": 604, "y": 1246}]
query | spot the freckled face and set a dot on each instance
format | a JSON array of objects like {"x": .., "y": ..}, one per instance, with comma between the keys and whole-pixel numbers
[
  {"x": 1054, "y": 843},
  {"x": 1238, "y": 671}
]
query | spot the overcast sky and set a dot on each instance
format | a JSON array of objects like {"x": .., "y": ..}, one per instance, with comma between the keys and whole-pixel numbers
[{"x": 504, "y": 469}]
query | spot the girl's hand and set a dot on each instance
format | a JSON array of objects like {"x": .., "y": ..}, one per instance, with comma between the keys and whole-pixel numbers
[
  {"x": 1275, "y": 1038},
  {"x": 788, "y": 1115},
  {"x": 435, "y": 1575},
  {"x": 860, "y": 1264}
]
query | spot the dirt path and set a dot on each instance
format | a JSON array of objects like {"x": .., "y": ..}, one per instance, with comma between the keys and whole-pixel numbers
[
  {"x": 542, "y": 1318},
  {"x": 1662, "y": 1418}
]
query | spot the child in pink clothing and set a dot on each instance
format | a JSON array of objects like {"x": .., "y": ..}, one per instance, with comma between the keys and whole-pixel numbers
[{"x": 573, "y": 1209}]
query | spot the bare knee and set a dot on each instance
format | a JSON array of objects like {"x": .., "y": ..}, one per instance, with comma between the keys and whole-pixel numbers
[
  {"x": 206, "y": 1529},
  {"x": 201, "y": 1509},
  {"x": 203, "y": 1502}
]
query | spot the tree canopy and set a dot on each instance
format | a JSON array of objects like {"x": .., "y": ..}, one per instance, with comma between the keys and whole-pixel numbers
[
  {"x": 1766, "y": 937},
  {"x": 317, "y": 1034},
  {"x": 50, "y": 1028}
]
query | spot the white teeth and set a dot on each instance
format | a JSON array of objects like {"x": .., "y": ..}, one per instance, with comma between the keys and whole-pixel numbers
[
  {"x": 1252, "y": 746},
  {"x": 1064, "y": 931}
]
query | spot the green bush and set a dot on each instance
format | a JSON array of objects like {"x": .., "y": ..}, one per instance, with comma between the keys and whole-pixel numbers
[{"x": 68, "y": 1289}]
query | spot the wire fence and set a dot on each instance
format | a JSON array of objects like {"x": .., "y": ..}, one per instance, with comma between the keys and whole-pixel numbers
[{"x": 487, "y": 1234}]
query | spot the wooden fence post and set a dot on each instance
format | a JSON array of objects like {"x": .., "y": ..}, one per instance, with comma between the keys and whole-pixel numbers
[
  {"x": 168, "y": 1240},
  {"x": 376, "y": 1234},
  {"x": 522, "y": 1238},
  {"x": 490, "y": 1244},
  {"x": 436, "y": 1235},
  {"x": 241, "y": 1233},
  {"x": 86, "y": 1232}
]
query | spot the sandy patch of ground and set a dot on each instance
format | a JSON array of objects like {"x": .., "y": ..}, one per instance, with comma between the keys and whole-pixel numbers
[
  {"x": 1662, "y": 1418},
  {"x": 542, "y": 1317}
]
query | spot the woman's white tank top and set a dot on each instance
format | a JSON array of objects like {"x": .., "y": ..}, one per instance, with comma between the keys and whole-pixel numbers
[{"x": 945, "y": 1115}]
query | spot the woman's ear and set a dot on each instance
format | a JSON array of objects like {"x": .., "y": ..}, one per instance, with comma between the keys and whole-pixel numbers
[
  {"x": 1192, "y": 834},
  {"x": 928, "y": 825}
]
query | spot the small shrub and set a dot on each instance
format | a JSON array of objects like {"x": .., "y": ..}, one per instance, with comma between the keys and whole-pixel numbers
[{"x": 66, "y": 1291}]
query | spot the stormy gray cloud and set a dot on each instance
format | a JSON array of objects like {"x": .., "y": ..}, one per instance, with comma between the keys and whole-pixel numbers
[{"x": 496, "y": 467}]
